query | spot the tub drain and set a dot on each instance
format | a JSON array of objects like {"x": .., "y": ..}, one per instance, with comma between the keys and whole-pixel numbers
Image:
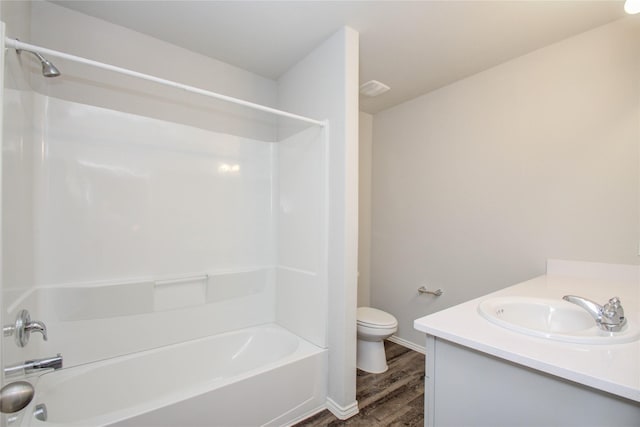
[{"x": 40, "y": 412}]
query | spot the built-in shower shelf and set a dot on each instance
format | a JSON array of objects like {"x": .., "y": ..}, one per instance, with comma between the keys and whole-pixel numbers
[{"x": 139, "y": 296}]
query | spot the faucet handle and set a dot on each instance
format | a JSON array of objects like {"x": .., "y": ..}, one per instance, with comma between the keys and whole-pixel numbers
[
  {"x": 614, "y": 303},
  {"x": 36, "y": 326},
  {"x": 613, "y": 312},
  {"x": 23, "y": 328}
]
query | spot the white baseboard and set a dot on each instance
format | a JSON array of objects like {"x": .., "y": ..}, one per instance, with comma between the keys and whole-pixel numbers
[
  {"x": 309, "y": 414},
  {"x": 407, "y": 344},
  {"x": 342, "y": 412}
]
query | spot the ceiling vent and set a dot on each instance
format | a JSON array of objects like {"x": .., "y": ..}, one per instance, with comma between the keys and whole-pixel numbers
[{"x": 373, "y": 88}]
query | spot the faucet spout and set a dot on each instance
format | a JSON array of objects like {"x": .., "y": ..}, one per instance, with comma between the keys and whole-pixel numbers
[
  {"x": 593, "y": 308},
  {"x": 30, "y": 366},
  {"x": 609, "y": 317}
]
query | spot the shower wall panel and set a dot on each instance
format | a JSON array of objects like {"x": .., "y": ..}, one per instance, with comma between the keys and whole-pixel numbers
[
  {"x": 17, "y": 176},
  {"x": 140, "y": 225},
  {"x": 121, "y": 196},
  {"x": 302, "y": 235}
]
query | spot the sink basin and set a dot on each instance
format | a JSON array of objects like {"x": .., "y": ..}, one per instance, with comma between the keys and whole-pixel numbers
[{"x": 552, "y": 319}]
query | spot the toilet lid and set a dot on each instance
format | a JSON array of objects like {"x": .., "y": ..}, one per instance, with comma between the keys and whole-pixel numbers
[{"x": 375, "y": 318}]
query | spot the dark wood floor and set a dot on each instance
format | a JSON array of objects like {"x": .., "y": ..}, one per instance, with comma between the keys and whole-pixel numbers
[{"x": 393, "y": 398}]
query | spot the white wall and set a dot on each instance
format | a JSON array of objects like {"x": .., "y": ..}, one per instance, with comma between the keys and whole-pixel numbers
[
  {"x": 17, "y": 17},
  {"x": 58, "y": 28},
  {"x": 475, "y": 185},
  {"x": 365, "y": 140},
  {"x": 324, "y": 85}
]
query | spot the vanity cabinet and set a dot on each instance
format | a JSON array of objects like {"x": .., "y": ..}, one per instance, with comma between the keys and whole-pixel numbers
[{"x": 467, "y": 387}]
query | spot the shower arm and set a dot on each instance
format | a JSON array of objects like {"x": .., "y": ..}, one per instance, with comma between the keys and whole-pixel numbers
[{"x": 48, "y": 69}]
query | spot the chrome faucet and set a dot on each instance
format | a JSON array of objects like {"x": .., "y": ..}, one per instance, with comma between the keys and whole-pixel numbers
[
  {"x": 609, "y": 317},
  {"x": 30, "y": 366}
]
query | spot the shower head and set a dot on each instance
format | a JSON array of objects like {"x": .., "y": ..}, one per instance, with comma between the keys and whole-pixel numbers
[{"x": 48, "y": 69}]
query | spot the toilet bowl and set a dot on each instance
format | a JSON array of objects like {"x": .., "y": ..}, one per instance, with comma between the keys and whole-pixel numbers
[{"x": 374, "y": 326}]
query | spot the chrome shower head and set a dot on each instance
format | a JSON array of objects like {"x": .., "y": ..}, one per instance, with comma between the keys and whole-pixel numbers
[{"x": 48, "y": 69}]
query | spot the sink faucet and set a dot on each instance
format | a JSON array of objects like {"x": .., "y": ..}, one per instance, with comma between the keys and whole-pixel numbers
[
  {"x": 609, "y": 317},
  {"x": 29, "y": 366}
]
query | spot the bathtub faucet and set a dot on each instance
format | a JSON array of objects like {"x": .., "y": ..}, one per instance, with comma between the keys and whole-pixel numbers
[
  {"x": 609, "y": 317},
  {"x": 30, "y": 366}
]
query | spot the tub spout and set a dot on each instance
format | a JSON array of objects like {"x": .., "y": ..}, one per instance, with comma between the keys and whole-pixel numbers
[
  {"x": 30, "y": 366},
  {"x": 609, "y": 317}
]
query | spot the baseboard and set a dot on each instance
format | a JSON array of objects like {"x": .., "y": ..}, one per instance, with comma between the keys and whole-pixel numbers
[
  {"x": 407, "y": 344},
  {"x": 342, "y": 412},
  {"x": 309, "y": 414}
]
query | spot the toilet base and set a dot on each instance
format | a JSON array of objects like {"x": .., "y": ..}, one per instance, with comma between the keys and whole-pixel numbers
[{"x": 371, "y": 357}]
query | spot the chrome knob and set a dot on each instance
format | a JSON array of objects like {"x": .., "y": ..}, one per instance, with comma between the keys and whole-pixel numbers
[{"x": 15, "y": 396}]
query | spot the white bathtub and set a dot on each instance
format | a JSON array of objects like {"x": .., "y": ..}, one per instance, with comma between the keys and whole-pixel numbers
[{"x": 258, "y": 376}]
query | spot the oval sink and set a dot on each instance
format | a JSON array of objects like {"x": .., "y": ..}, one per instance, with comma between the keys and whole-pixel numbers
[{"x": 553, "y": 319}]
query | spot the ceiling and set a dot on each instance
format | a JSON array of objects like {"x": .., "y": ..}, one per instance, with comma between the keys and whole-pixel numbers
[{"x": 413, "y": 46}]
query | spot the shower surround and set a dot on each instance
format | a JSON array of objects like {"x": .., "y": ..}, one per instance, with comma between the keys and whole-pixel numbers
[{"x": 148, "y": 233}]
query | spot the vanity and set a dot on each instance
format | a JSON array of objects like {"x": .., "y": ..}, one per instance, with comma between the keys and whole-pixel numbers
[{"x": 485, "y": 368}]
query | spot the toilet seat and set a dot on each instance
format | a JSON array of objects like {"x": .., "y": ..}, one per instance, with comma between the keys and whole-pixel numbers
[{"x": 376, "y": 319}]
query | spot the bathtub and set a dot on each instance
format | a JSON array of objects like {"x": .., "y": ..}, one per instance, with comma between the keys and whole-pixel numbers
[{"x": 263, "y": 375}]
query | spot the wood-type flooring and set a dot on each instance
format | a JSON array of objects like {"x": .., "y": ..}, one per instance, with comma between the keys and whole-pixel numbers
[{"x": 393, "y": 398}]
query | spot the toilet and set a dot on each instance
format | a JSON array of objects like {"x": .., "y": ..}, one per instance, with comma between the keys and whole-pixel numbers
[{"x": 374, "y": 326}]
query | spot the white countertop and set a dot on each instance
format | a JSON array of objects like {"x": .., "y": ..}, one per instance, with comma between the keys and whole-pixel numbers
[{"x": 612, "y": 368}]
